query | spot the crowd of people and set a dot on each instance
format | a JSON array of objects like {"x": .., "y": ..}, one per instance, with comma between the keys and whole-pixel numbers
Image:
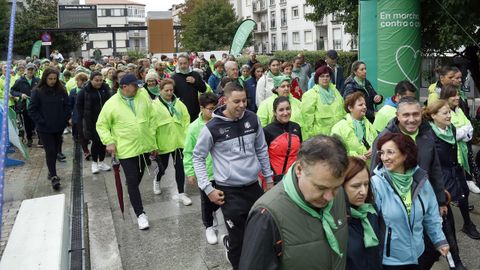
[{"x": 298, "y": 158}]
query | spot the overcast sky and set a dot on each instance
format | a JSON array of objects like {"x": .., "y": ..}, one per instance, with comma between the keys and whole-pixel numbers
[{"x": 159, "y": 5}]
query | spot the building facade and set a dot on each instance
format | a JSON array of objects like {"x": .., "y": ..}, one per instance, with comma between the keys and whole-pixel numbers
[
  {"x": 281, "y": 25},
  {"x": 117, "y": 13}
]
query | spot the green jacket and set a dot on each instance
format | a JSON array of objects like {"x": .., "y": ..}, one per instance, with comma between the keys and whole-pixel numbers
[
  {"x": 72, "y": 83},
  {"x": 190, "y": 142},
  {"x": 132, "y": 133},
  {"x": 171, "y": 130},
  {"x": 11, "y": 99},
  {"x": 304, "y": 245},
  {"x": 319, "y": 118},
  {"x": 344, "y": 129},
  {"x": 265, "y": 111},
  {"x": 383, "y": 116}
]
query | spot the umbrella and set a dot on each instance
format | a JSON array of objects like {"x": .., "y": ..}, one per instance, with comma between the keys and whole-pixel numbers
[{"x": 118, "y": 183}]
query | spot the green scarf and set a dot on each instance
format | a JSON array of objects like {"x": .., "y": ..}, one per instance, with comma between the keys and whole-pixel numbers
[
  {"x": 361, "y": 83},
  {"x": 369, "y": 237},
  {"x": 359, "y": 128},
  {"x": 326, "y": 95},
  {"x": 171, "y": 106},
  {"x": 402, "y": 182},
  {"x": 270, "y": 74},
  {"x": 218, "y": 75},
  {"x": 323, "y": 215},
  {"x": 244, "y": 79},
  {"x": 130, "y": 102},
  {"x": 154, "y": 90},
  {"x": 449, "y": 138}
]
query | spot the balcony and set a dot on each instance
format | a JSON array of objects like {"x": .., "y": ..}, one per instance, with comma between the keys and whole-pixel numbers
[
  {"x": 259, "y": 6},
  {"x": 283, "y": 24},
  {"x": 322, "y": 22},
  {"x": 273, "y": 24},
  {"x": 137, "y": 34},
  {"x": 261, "y": 28}
]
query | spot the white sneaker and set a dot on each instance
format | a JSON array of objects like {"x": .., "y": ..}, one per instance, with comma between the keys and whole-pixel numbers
[
  {"x": 103, "y": 166},
  {"x": 473, "y": 187},
  {"x": 184, "y": 199},
  {"x": 211, "y": 235},
  {"x": 142, "y": 222},
  {"x": 156, "y": 186},
  {"x": 224, "y": 240},
  {"x": 95, "y": 168}
]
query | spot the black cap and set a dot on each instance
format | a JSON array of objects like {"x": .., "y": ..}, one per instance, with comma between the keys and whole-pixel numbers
[
  {"x": 130, "y": 79},
  {"x": 332, "y": 54}
]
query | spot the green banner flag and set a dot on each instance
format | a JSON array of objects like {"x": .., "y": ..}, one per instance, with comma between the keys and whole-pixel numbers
[
  {"x": 399, "y": 56},
  {"x": 241, "y": 36},
  {"x": 36, "y": 48}
]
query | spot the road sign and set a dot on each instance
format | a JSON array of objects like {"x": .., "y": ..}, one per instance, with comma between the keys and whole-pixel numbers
[
  {"x": 46, "y": 43},
  {"x": 45, "y": 37}
]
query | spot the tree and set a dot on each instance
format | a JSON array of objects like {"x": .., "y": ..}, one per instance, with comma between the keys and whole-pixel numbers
[
  {"x": 4, "y": 23},
  {"x": 448, "y": 26},
  {"x": 40, "y": 14},
  {"x": 207, "y": 25}
]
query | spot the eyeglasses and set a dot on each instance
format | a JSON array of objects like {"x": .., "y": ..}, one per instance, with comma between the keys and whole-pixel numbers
[{"x": 388, "y": 153}]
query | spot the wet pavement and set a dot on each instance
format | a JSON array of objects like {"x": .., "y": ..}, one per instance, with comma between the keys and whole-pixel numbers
[{"x": 176, "y": 238}]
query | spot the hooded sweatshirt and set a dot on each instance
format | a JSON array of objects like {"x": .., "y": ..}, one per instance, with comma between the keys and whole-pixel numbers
[{"x": 238, "y": 150}]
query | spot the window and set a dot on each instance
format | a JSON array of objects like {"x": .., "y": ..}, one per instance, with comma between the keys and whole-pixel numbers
[
  {"x": 308, "y": 35},
  {"x": 274, "y": 42},
  {"x": 295, "y": 12},
  {"x": 283, "y": 2},
  {"x": 337, "y": 39},
  {"x": 296, "y": 37},
  {"x": 284, "y": 41},
  {"x": 272, "y": 2},
  {"x": 248, "y": 2},
  {"x": 117, "y": 12},
  {"x": 272, "y": 20},
  {"x": 102, "y": 12},
  {"x": 307, "y": 9},
  {"x": 283, "y": 17}
]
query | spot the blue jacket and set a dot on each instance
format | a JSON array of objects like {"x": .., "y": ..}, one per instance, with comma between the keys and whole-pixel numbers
[
  {"x": 404, "y": 234},
  {"x": 214, "y": 81},
  {"x": 251, "y": 87}
]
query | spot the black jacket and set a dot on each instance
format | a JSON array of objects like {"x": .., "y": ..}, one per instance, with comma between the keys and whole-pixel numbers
[
  {"x": 188, "y": 93},
  {"x": 359, "y": 257},
  {"x": 89, "y": 104},
  {"x": 22, "y": 86},
  {"x": 49, "y": 109},
  {"x": 427, "y": 155},
  {"x": 452, "y": 172},
  {"x": 351, "y": 86}
]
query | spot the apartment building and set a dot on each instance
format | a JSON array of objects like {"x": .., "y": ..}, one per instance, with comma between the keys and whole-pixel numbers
[
  {"x": 281, "y": 25},
  {"x": 117, "y": 13}
]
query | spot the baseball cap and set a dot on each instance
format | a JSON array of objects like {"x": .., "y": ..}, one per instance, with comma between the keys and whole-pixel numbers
[
  {"x": 332, "y": 54},
  {"x": 30, "y": 66},
  {"x": 130, "y": 79}
]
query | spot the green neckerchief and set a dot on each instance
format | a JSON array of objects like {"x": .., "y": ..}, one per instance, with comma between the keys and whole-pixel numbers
[
  {"x": 413, "y": 136},
  {"x": 444, "y": 134},
  {"x": 359, "y": 81},
  {"x": 323, "y": 215},
  {"x": 402, "y": 184},
  {"x": 154, "y": 90},
  {"x": 369, "y": 237},
  {"x": 447, "y": 136},
  {"x": 359, "y": 128},
  {"x": 218, "y": 75},
  {"x": 461, "y": 93},
  {"x": 270, "y": 74},
  {"x": 29, "y": 80},
  {"x": 130, "y": 102},
  {"x": 244, "y": 79},
  {"x": 326, "y": 95},
  {"x": 171, "y": 106},
  {"x": 109, "y": 82}
]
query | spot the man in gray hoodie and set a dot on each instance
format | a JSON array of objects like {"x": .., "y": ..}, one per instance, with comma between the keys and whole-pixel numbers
[{"x": 235, "y": 140}]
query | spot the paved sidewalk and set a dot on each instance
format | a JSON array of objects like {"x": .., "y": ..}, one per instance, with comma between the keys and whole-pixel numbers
[{"x": 176, "y": 238}]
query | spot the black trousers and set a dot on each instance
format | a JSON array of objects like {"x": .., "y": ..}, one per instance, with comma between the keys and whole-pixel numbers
[
  {"x": 29, "y": 125},
  {"x": 238, "y": 201},
  {"x": 208, "y": 208},
  {"x": 134, "y": 168},
  {"x": 98, "y": 149},
  {"x": 51, "y": 144},
  {"x": 401, "y": 267},
  {"x": 177, "y": 163},
  {"x": 78, "y": 136}
]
